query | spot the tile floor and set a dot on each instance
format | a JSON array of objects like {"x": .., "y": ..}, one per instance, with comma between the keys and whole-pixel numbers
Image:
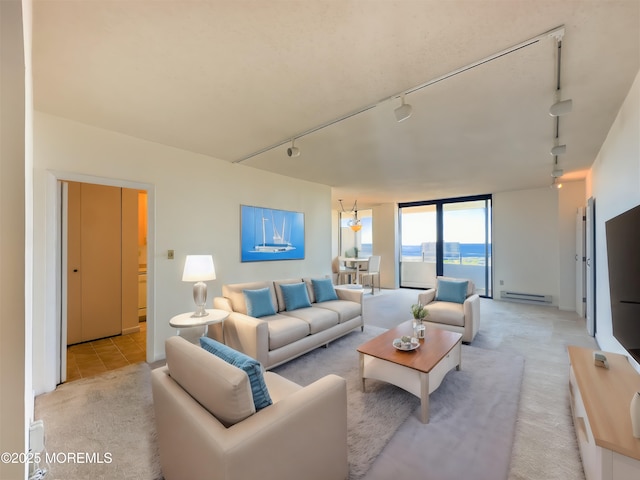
[{"x": 91, "y": 358}]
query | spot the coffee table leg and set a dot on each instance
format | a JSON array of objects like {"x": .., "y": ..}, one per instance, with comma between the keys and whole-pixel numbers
[{"x": 424, "y": 397}]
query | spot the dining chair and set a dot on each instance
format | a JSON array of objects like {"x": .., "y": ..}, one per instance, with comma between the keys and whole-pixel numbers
[
  {"x": 343, "y": 274},
  {"x": 368, "y": 276}
]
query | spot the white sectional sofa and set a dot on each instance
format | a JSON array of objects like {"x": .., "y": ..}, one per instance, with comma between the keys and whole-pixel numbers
[{"x": 286, "y": 332}]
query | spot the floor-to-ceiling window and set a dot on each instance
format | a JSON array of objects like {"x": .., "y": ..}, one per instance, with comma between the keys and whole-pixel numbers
[{"x": 449, "y": 237}]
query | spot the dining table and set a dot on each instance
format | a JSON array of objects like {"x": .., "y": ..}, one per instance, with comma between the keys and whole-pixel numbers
[{"x": 360, "y": 264}]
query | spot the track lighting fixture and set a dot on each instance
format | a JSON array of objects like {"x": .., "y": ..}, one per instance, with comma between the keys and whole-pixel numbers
[
  {"x": 556, "y": 184},
  {"x": 403, "y": 111},
  {"x": 558, "y": 150},
  {"x": 561, "y": 108},
  {"x": 557, "y": 172},
  {"x": 293, "y": 151}
]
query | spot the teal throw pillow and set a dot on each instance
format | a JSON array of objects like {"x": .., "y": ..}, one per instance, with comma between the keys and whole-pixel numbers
[
  {"x": 452, "y": 291},
  {"x": 251, "y": 366},
  {"x": 295, "y": 296},
  {"x": 259, "y": 303},
  {"x": 324, "y": 290}
]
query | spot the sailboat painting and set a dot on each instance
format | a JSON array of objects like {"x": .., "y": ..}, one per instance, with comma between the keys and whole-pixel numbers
[{"x": 269, "y": 234}]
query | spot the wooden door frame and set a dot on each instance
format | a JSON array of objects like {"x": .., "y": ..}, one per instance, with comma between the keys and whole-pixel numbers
[{"x": 58, "y": 324}]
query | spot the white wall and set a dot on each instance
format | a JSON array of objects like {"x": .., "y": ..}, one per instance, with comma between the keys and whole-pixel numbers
[
  {"x": 615, "y": 184},
  {"x": 194, "y": 207},
  {"x": 525, "y": 242},
  {"x": 15, "y": 396},
  {"x": 386, "y": 243}
]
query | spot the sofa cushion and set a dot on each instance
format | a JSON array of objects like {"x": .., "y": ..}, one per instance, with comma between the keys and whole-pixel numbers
[
  {"x": 221, "y": 388},
  {"x": 284, "y": 329},
  {"x": 277, "y": 286},
  {"x": 235, "y": 294},
  {"x": 345, "y": 309},
  {"x": 259, "y": 302},
  {"x": 251, "y": 366},
  {"x": 448, "y": 313},
  {"x": 324, "y": 290},
  {"x": 319, "y": 319},
  {"x": 452, "y": 291},
  {"x": 295, "y": 296}
]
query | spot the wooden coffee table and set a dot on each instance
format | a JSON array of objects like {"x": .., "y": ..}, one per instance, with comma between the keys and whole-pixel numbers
[{"x": 419, "y": 371}]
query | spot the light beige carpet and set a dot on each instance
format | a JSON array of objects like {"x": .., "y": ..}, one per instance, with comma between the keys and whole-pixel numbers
[{"x": 101, "y": 427}]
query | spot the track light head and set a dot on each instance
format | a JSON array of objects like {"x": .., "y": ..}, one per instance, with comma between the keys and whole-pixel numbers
[
  {"x": 561, "y": 108},
  {"x": 403, "y": 111},
  {"x": 293, "y": 151},
  {"x": 557, "y": 172},
  {"x": 558, "y": 150},
  {"x": 556, "y": 184}
]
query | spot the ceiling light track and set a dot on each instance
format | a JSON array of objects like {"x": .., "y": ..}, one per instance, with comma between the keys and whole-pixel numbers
[
  {"x": 557, "y": 32},
  {"x": 557, "y": 110}
]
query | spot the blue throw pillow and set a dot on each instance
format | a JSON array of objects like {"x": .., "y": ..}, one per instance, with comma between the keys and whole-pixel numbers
[
  {"x": 452, "y": 291},
  {"x": 259, "y": 303},
  {"x": 324, "y": 290},
  {"x": 295, "y": 296},
  {"x": 251, "y": 366}
]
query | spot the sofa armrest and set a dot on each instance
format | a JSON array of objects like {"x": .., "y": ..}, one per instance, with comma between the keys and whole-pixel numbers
[
  {"x": 248, "y": 335},
  {"x": 471, "y": 316},
  {"x": 427, "y": 296},
  {"x": 222, "y": 303},
  {"x": 350, "y": 294}
]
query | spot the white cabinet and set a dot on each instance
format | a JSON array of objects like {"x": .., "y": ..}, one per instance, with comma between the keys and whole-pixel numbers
[{"x": 600, "y": 401}]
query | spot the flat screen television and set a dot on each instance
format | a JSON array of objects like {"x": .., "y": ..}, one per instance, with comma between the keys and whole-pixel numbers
[{"x": 623, "y": 252}]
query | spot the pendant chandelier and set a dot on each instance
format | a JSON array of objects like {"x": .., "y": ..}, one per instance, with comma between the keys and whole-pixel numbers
[{"x": 355, "y": 223}]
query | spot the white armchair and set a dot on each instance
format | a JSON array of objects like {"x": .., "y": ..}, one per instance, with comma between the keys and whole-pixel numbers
[
  {"x": 208, "y": 426},
  {"x": 461, "y": 315}
]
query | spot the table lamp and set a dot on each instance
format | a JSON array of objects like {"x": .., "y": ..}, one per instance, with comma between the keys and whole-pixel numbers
[{"x": 199, "y": 269}]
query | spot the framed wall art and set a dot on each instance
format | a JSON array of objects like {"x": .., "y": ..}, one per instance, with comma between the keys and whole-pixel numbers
[{"x": 270, "y": 234}]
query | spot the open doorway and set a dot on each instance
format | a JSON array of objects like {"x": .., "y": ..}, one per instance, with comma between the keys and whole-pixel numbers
[{"x": 103, "y": 278}]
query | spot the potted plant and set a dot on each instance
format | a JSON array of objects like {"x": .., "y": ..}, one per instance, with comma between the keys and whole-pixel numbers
[{"x": 419, "y": 313}]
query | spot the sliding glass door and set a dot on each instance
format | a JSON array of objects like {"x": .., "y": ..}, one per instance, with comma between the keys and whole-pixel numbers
[{"x": 446, "y": 237}]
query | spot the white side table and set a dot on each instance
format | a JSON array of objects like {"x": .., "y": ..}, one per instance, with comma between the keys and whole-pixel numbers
[{"x": 185, "y": 320}]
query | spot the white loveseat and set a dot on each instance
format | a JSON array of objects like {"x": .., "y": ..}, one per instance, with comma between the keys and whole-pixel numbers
[
  {"x": 278, "y": 338},
  {"x": 209, "y": 428}
]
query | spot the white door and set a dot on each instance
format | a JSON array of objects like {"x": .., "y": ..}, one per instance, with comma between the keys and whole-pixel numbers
[
  {"x": 590, "y": 266},
  {"x": 580, "y": 262}
]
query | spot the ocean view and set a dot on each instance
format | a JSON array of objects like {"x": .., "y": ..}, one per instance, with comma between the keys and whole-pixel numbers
[{"x": 453, "y": 252}]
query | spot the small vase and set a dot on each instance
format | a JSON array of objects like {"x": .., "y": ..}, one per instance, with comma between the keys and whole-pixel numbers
[
  {"x": 418, "y": 328},
  {"x": 635, "y": 414}
]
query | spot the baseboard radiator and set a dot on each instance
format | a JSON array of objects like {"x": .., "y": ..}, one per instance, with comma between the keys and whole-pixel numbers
[{"x": 526, "y": 297}]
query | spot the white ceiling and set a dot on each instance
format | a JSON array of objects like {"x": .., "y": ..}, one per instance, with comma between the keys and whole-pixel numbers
[{"x": 228, "y": 78}]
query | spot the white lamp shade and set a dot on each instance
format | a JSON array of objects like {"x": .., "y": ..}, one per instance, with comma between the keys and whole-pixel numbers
[{"x": 198, "y": 268}]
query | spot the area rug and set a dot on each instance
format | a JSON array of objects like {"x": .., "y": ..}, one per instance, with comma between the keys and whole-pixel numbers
[
  {"x": 101, "y": 427},
  {"x": 472, "y": 424},
  {"x": 472, "y": 415},
  {"x": 373, "y": 416}
]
